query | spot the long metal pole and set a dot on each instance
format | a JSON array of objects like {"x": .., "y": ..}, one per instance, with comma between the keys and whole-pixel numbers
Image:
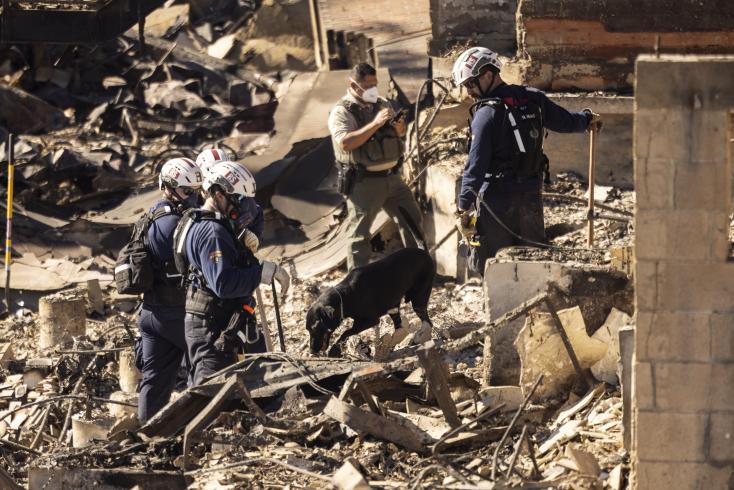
[
  {"x": 281, "y": 337},
  {"x": 592, "y": 165},
  {"x": 9, "y": 220}
]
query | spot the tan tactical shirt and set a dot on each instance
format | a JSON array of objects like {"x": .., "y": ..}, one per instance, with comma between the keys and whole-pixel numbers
[{"x": 342, "y": 122}]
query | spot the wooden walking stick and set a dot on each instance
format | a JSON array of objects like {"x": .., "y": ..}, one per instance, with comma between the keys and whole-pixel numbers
[{"x": 592, "y": 164}]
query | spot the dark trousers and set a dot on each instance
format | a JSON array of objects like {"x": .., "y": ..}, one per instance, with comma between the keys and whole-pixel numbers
[
  {"x": 163, "y": 349},
  {"x": 205, "y": 358},
  {"x": 521, "y": 212},
  {"x": 201, "y": 334}
]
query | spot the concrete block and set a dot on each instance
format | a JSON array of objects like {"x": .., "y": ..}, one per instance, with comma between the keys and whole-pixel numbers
[
  {"x": 542, "y": 351},
  {"x": 665, "y": 436},
  {"x": 673, "y": 336},
  {"x": 129, "y": 376},
  {"x": 84, "y": 432},
  {"x": 661, "y": 133},
  {"x": 674, "y": 234},
  {"x": 679, "y": 475},
  {"x": 683, "y": 387},
  {"x": 508, "y": 283},
  {"x": 722, "y": 386},
  {"x": 61, "y": 316},
  {"x": 442, "y": 187},
  {"x": 643, "y": 386},
  {"x": 607, "y": 367},
  {"x": 646, "y": 285},
  {"x": 655, "y": 180},
  {"x": 721, "y": 437},
  {"x": 626, "y": 351},
  {"x": 695, "y": 286},
  {"x": 722, "y": 332},
  {"x": 702, "y": 184}
]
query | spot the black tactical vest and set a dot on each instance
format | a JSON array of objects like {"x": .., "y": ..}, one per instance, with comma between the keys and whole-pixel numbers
[
  {"x": 522, "y": 121},
  {"x": 200, "y": 300},
  {"x": 384, "y": 146}
]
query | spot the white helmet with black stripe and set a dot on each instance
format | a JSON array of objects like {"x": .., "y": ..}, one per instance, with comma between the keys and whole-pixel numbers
[
  {"x": 180, "y": 172},
  {"x": 233, "y": 178},
  {"x": 469, "y": 64},
  {"x": 210, "y": 157}
]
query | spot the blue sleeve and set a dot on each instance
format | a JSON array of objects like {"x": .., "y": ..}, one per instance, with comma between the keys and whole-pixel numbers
[
  {"x": 558, "y": 119},
  {"x": 480, "y": 154},
  {"x": 258, "y": 224},
  {"x": 160, "y": 238},
  {"x": 216, "y": 254}
]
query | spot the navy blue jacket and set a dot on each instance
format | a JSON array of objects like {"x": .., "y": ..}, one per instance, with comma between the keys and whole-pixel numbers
[
  {"x": 491, "y": 139},
  {"x": 211, "y": 249}
]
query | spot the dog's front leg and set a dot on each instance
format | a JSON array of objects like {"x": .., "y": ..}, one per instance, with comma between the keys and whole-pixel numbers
[
  {"x": 395, "y": 317},
  {"x": 358, "y": 326}
]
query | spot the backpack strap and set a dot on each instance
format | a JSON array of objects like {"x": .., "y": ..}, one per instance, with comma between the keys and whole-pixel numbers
[{"x": 183, "y": 266}]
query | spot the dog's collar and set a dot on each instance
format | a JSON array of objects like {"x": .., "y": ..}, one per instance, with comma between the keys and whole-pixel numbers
[{"x": 341, "y": 302}]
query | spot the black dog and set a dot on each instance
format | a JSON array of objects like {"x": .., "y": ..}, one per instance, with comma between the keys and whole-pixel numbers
[{"x": 369, "y": 292}]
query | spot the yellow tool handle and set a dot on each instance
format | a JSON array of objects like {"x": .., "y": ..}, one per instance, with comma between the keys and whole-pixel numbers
[{"x": 9, "y": 217}]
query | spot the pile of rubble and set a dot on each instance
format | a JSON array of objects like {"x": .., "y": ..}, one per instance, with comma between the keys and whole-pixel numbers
[{"x": 417, "y": 418}]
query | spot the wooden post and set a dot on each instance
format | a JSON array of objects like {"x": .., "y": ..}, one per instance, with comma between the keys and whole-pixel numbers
[
  {"x": 438, "y": 381},
  {"x": 592, "y": 165}
]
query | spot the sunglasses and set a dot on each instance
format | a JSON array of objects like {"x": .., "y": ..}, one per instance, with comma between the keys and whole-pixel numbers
[
  {"x": 187, "y": 191},
  {"x": 471, "y": 83}
]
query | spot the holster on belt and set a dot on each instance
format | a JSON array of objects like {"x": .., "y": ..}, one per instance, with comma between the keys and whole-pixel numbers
[{"x": 241, "y": 331}]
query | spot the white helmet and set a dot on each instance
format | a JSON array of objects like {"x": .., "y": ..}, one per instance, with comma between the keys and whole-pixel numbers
[
  {"x": 180, "y": 172},
  {"x": 233, "y": 178},
  {"x": 470, "y": 63},
  {"x": 210, "y": 157}
]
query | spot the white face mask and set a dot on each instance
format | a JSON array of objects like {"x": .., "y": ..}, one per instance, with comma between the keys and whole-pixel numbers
[{"x": 371, "y": 95}]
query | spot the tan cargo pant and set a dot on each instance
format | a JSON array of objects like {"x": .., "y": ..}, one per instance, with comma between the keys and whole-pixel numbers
[{"x": 369, "y": 196}]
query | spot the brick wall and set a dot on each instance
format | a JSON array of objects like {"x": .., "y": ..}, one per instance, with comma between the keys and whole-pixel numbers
[{"x": 684, "y": 354}]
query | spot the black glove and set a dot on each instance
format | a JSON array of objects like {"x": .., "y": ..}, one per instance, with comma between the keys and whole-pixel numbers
[{"x": 595, "y": 122}]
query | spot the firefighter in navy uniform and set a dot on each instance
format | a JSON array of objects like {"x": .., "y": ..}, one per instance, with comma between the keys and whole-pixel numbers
[
  {"x": 222, "y": 274},
  {"x": 504, "y": 171},
  {"x": 161, "y": 315}
]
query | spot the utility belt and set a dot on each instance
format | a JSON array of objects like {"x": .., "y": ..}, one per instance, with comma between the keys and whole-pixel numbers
[
  {"x": 162, "y": 294},
  {"x": 349, "y": 174},
  {"x": 241, "y": 332},
  {"x": 201, "y": 302}
]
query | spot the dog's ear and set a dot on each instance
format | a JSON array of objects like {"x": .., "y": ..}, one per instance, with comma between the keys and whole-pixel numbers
[{"x": 328, "y": 312}]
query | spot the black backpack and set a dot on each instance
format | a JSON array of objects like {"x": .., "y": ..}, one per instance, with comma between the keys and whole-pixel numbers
[
  {"x": 523, "y": 121},
  {"x": 134, "y": 268}
]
